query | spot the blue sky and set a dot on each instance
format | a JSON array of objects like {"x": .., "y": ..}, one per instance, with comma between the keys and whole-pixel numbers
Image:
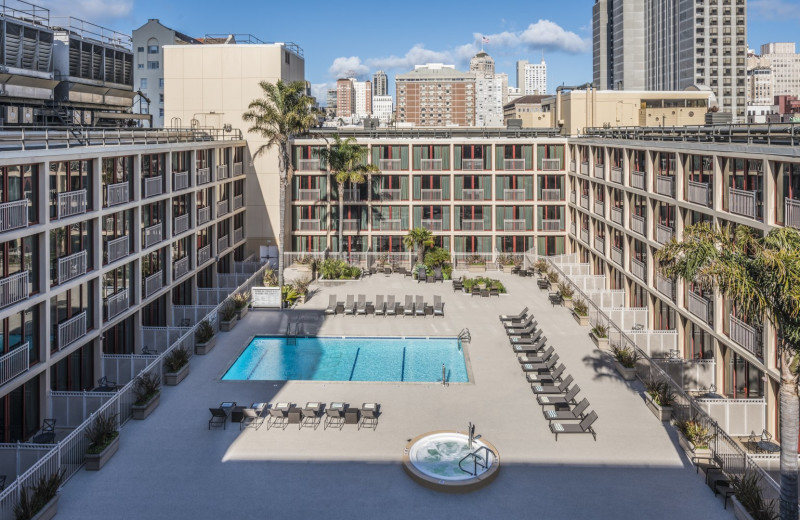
[{"x": 363, "y": 37}]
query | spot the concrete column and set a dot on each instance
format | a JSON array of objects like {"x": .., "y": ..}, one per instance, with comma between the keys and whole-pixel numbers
[{"x": 770, "y": 211}]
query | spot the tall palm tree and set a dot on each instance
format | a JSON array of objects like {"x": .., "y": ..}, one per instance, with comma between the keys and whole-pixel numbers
[
  {"x": 761, "y": 276},
  {"x": 347, "y": 160},
  {"x": 416, "y": 240},
  {"x": 283, "y": 112}
]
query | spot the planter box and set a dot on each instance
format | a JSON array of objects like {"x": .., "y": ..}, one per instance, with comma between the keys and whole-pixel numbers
[
  {"x": 691, "y": 451},
  {"x": 507, "y": 268},
  {"x": 302, "y": 268},
  {"x": 241, "y": 313},
  {"x": 628, "y": 374},
  {"x": 739, "y": 512},
  {"x": 140, "y": 412},
  {"x": 205, "y": 348},
  {"x": 96, "y": 462},
  {"x": 601, "y": 343},
  {"x": 583, "y": 321},
  {"x": 662, "y": 413},
  {"x": 173, "y": 378},
  {"x": 48, "y": 511},
  {"x": 227, "y": 326},
  {"x": 476, "y": 268},
  {"x": 568, "y": 303}
]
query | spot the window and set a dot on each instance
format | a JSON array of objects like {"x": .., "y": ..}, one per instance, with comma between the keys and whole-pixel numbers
[
  {"x": 287, "y": 57},
  {"x": 143, "y": 83},
  {"x": 140, "y": 49},
  {"x": 161, "y": 112},
  {"x": 140, "y": 65},
  {"x": 161, "y": 98},
  {"x": 160, "y": 82},
  {"x": 152, "y": 65},
  {"x": 152, "y": 49}
]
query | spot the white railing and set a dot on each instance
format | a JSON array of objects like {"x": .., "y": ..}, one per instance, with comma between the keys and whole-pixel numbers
[
  {"x": 222, "y": 244},
  {"x": 389, "y": 165},
  {"x": 637, "y": 179},
  {"x": 238, "y": 201},
  {"x": 203, "y": 175},
  {"x": 572, "y": 167},
  {"x": 585, "y": 201},
  {"x": 551, "y": 164},
  {"x": 617, "y": 215},
  {"x": 71, "y": 330},
  {"x": 181, "y": 180},
  {"x": 742, "y": 202},
  {"x": 792, "y": 209},
  {"x": 308, "y": 194},
  {"x": 306, "y": 165},
  {"x": 573, "y": 228},
  {"x": 203, "y": 215},
  {"x": 117, "y": 303},
  {"x": 616, "y": 174},
  {"x": 514, "y": 225},
  {"x": 431, "y": 164},
  {"x": 117, "y": 248},
  {"x": 744, "y": 335},
  {"x": 600, "y": 171},
  {"x": 71, "y": 203},
  {"x": 616, "y": 255},
  {"x": 585, "y": 168},
  {"x": 153, "y": 283},
  {"x": 473, "y": 194},
  {"x": 14, "y": 288},
  {"x": 117, "y": 193},
  {"x": 203, "y": 255},
  {"x": 238, "y": 235},
  {"x": 514, "y": 164},
  {"x": 351, "y": 195},
  {"x": 585, "y": 235},
  {"x": 14, "y": 363},
  {"x": 222, "y": 208},
  {"x": 153, "y": 186},
  {"x": 71, "y": 266},
  {"x": 351, "y": 224},
  {"x": 665, "y": 185},
  {"x": 638, "y": 269},
  {"x": 432, "y": 224},
  {"x": 600, "y": 244},
  {"x": 552, "y": 194},
  {"x": 472, "y": 164},
  {"x": 665, "y": 286},
  {"x": 663, "y": 233},
  {"x": 390, "y": 224},
  {"x": 638, "y": 224},
  {"x": 552, "y": 224},
  {"x": 431, "y": 194},
  {"x": 180, "y": 224},
  {"x": 152, "y": 235},
  {"x": 389, "y": 194},
  {"x": 472, "y": 224},
  {"x": 222, "y": 172},
  {"x": 600, "y": 207},
  {"x": 699, "y": 192},
  {"x": 237, "y": 169},
  {"x": 309, "y": 224},
  {"x": 573, "y": 197},
  {"x": 509, "y": 194},
  {"x": 699, "y": 306},
  {"x": 14, "y": 215},
  {"x": 180, "y": 268}
]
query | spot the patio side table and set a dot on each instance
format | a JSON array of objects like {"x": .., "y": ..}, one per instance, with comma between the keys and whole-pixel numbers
[{"x": 352, "y": 415}]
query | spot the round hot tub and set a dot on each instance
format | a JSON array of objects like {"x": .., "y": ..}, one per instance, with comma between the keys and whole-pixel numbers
[{"x": 441, "y": 460}]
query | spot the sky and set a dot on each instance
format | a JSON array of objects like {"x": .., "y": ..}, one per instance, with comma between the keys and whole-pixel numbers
[{"x": 358, "y": 38}]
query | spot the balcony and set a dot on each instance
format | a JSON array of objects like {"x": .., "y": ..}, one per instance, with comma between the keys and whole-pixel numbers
[
  {"x": 551, "y": 165},
  {"x": 472, "y": 164},
  {"x": 637, "y": 180},
  {"x": 664, "y": 233},
  {"x": 203, "y": 255},
  {"x": 585, "y": 235},
  {"x": 792, "y": 209},
  {"x": 584, "y": 168},
  {"x": 71, "y": 330},
  {"x": 390, "y": 224},
  {"x": 514, "y": 225},
  {"x": 638, "y": 224},
  {"x": 700, "y": 307},
  {"x": 572, "y": 197},
  {"x": 238, "y": 202},
  {"x": 745, "y": 335},
  {"x": 14, "y": 363},
  {"x": 71, "y": 266},
  {"x": 742, "y": 202},
  {"x": 572, "y": 167},
  {"x": 509, "y": 194},
  {"x": 600, "y": 171},
  {"x": 309, "y": 195},
  {"x": 308, "y": 165},
  {"x": 472, "y": 225},
  {"x": 552, "y": 194},
  {"x": 351, "y": 224},
  {"x": 639, "y": 269},
  {"x": 71, "y": 203},
  {"x": 222, "y": 208},
  {"x": 351, "y": 195},
  {"x": 238, "y": 235},
  {"x": 572, "y": 229},
  {"x": 117, "y": 248},
  {"x": 432, "y": 224},
  {"x": 222, "y": 244},
  {"x": 223, "y": 172},
  {"x": 616, "y": 174},
  {"x": 430, "y": 164},
  {"x": 153, "y": 283},
  {"x": 180, "y": 268},
  {"x": 389, "y": 165},
  {"x": 309, "y": 225},
  {"x": 14, "y": 215},
  {"x": 600, "y": 244},
  {"x": 513, "y": 164},
  {"x": 431, "y": 195},
  {"x": 152, "y": 235},
  {"x": 585, "y": 202},
  {"x": 600, "y": 207},
  {"x": 616, "y": 255},
  {"x": 116, "y": 304},
  {"x": 117, "y": 193},
  {"x": 203, "y": 176},
  {"x": 555, "y": 224},
  {"x": 180, "y": 181},
  {"x": 386, "y": 194},
  {"x": 180, "y": 225},
  {"x": 203, "y": 215},
  {"x": 665, "y": 286},
  {"x": 617, "y": 215},
  {"x": 237, "y": 169},
  {"x": 665, "y": 185},
  {"x": 699, "y": 193},
  {"x": 153, "y": 186},
  {"x": 14, "y": 288}
]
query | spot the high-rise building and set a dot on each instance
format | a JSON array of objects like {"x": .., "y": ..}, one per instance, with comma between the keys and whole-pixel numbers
[
  {"x": 618, "y": 43},
  {"x": 531, "y": 77},
  {"x": 491, "y": 91},
  {"x": 331, "y": 100},
  {"x": 783, "y": 64},
  {"x": 363, "y": 95},
  {"x": 760, "y": 86},
  {"x": 353, "y": 98},
  {"x": 382, "y": 108},
  {"x": 436, "y": 95},
  {"x": 380, "y": 84},
  {"x": 482, "y": 63}
]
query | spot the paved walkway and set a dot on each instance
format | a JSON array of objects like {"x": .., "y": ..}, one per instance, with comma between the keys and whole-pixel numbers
[{"x": 171, "y": 466}]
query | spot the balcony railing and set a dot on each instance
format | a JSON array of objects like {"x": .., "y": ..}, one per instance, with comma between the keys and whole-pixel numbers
[
  {"x": 550, "y": 165},
  {"x": 572, "y": 197},
  {"x": 238, "y": 202},
  {"x": 585, "y": 201},
  {"x": 665, "y": 185},
  {"x": 584, "y": 168},
  {"x": 616, "y": 174},
  {"x": 600, "y": 207},
  {"x": 238, "y": 235},
  {"x": 699, "y": 193},
  {"x": 637, "y": 179},
  {"x": 153, "y": 283},
  {"x": 14, "y": 215},
  {"x": 514, "y": 225},
  {"x": 792, "y": 209},
  {"x": 600, "y": 244},
  {"x": 71, "y": 203},
  {"x": 585, "y": 235},
  {"x": 509, "y": 194},
  {"x": 472, "y": 164},
  {"x": 387, "y": 194},
  {"x": 117, "y": 193},
  {"x": 390, "y": 224},
  {"x": 572, "y": 228},
  {"x": 513, "y": 164},
  {"x": 745, "y": 335},
  {"x": 639, "y": 269},
  {"x": 180, "y": 225},
  {"x": 431, "y": 164},
  {"x": 117, "y": 248},
  {"x": 308, "y": 195},
  {"x": 432, "y": 224},
  {"x": 308, "y": 165},
  {"x": 152, "y": 235},
  {"x": 616, "y": 255},
  {"x": 351, "y": 195},
  {"x": 203, "y": 255},
  {"x": 552, "y": 194},
  {"x": 13, "y": 288},
  {"x": 203, "y": 215},
  {"x": 203, "y": 176},
  {"x": 117, "y": 303},
  {"x": 700, "y": 307},
  {"x": 663, "y": 233},
  {"x": 472, "y": 225},
  {"x": 181, "y": 181},
  {"x": 389, "y": 165},
  {"x": 153, "y": 186},
  {"x": 665, "y": 286},
  {"x": 71, "y": 266},
  {"x": 351, "y": 224},
  {"x": 572, "y": 167},
  {"x": 742, "y": 202},
  {"x": 237, "y": 169},
  {"x": 473, "y": 194},
  {"x": 638, "y": 224},
  {"x": 14, "y": 363},
  {"x": 431, "y": 195},
  {"x": 71, "y": 330},
  {"x": 223, "y": 172},
  {"x": 617, "y": 215},
  {"x": 555, "y": 224},
  {"x": 222, "y": 244},
  {"x": 222, "y": 208},
  {"x": 180, "y": 268},
  {"x": 600, "y": 171},
  {"x": 309, "y": 224}
]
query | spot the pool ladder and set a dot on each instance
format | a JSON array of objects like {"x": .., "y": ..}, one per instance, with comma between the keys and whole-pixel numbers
[
  {"x": 465, "y": 336},
  {"x": 477, "y": 460}
]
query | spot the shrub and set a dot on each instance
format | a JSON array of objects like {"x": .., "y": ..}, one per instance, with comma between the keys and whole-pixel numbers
[
  {"x": 447, "y": 272},
  {"x": 241, "y": 300},
  {"x": 33, "y": 498},
  {"x": 101, "y": 432},
  {"x": 542, "y": 266},
  {"x": 626, "y": 357},
  {"x": 748, "y": 492},
  {"x": 204, "y": 332},
  {"x": 476, "y": 260},
  {"x": 437, "y": 257},
  {"x": 305, "y": 260},
  {"x": 566, "y": 290},
  {"x": 553, "y": 277},
  {"x": 228, "y": 312},
  {"x": 270, "y": 277},
  {"x": 333, "y": 269},
  {"x": 490, "y": 283},
  {"x": 580, "y": 308},
  {"x": 176, "y": 359},
  {"x": 697, "y": 434},
  {"x": 508, "y": 260},
  {"x": 289, "y": 295},
  {"x": 145, "y": 387},
  {"x": 300, "y": 285},
  {"x": 660, "y": 392},
  {"x": 600, "y": 331}
]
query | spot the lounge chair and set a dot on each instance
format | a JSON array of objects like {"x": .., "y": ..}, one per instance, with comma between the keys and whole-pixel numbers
[
  {"x": 438, "y": 306},
  {"x": 556, "y": 299},
  {"x": 518, "y": 318},
  {"x": 526, "y": 358},
  {"x": 568, "y": 398},
  {"x": 585, "y": 426},
  {"x": 518, "y": 325},
  {"x": 530, "y": 329},
  {"x": 546, "y": 379},
  {"x": 47, "y": 435},
  {"x": 349, "y": 305},
  {"x": 311, "y": 417},
  {"x": 419, "y": 307},
  {"x": 543, "y": 283},
  {"x": 332, "y": 305},
  {"x": 540, "y": 367},
  {"x": 369, "y": 415},
  {"x": 391, "y": 306},
  {"x": 558, "y": 389},
  {"x": 522, "y": 272},
  {"x": 476, "y": 291},
  {"x": 576, "y": 414},
  {"x": 251, "y": 417},
  {"x": 494, "y": 291},
  {"x": 408, "y": 307},
  {"x": 380, "y": 307},
  {"x": 219, "y": 416},
  {"x": 524, "y": 345},
  {"x": 437, "y": 275},
  {"x": 277, "y": 418},
  {"x": 458, "y": 285},
  {"x": 401, "y": 270},
  {"x": 361, "y": 306},
  {"x": 422, "y": 275},
  {"x": 333, "y": 418},
  {"x": 526, "y": 337},
  {"x": 387, "y": 271}
]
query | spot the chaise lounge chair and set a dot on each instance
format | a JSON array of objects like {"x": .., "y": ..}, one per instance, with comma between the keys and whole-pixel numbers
[
  {"x": 369, "y": 415},
  {"x": 408, "y": 307},
  {"x": 556, "y": 299},
  {"x": 422, "y": 275},
  {"x": 438, "y": 276},
  {"x": 349, "y": 305},
  {"x": 576, "y": 414},
  {"x": 219, "y": 416},
  {"x": 585, "y": 426},
  {"x": 438, "y": 306},
  {"x": 361, "y": 307},
  {"x": 528, "y": 358},
  {"x": 519, "y": 324},
  {"x": 518, "y": 318},
  {"x": 546, "y": 379},
  {"x": 333, "y": 305},
  {"x": 277, "y": 418},
  {"x": 560, "y": 400},
  {"x": 526, "y": 345},
  {"x": 391, "y": 306},
  {"x": 540, "y": 367},
  {"x": 251, "y": 417},
  {"x": 457, "y": 285},
  {"x": 333, "y": 418},
  {"x": 419, "y": 307},
  {"x": 380, "y": 307},
  {"x": 530, "y": 329},
  {"x": 558, "y": 389}
]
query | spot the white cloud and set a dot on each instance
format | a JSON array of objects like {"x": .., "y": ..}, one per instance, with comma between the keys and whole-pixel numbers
[
  {"x": 320, "y": 91},
  {"x": 774, "y": 9},
  {"x": 89, "y": 10},
  {"x": 542, "y": 34},
  {"x": 347, "y": 67},
  {"x": 417, "y": 55}
]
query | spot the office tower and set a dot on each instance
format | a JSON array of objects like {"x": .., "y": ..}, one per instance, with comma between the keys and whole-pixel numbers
[
  {"x": 531, "y": 77},
  {"x": 380, "y": 84},
  {"x": 436, "y": 95}
]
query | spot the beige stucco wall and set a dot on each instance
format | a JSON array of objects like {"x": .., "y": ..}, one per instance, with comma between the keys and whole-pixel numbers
[{"x": 213, "y": 84}]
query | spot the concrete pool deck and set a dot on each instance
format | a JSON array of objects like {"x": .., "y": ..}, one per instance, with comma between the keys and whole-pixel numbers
[{"x": 171, "y": 466}]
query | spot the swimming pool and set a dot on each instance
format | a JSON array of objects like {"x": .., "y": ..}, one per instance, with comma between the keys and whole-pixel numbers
[{"x": 276, "y": 358}]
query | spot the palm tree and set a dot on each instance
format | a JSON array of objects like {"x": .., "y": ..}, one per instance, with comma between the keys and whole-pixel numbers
[
  {"x": 761, "y": 276},
  {"x": 347, "y": 160},
  {"x": 416, "y": 240},
  {"x": 283, "y": 112}
]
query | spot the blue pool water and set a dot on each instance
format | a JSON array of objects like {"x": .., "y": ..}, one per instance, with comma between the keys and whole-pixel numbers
[{"x": 269, "y": 358}]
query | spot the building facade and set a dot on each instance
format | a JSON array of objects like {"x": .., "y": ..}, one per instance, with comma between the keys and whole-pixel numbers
[
  {"x": 618, "y": 44},
  {"x": 490, "y": 93},
  {"x": 353, "y": 99},
  {"x": 383, "y": 108},
  {"x": 531, "y": 77},
  {"x": 482, "y": 64},
  {"x": 760, "y": 86},
  {"x": 781, "y": 63},
  {"x": 380, "y": 84},
  {"x": 436, "y": 95}
]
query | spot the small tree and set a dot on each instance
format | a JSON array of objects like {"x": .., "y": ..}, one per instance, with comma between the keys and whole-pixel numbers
[{"x": 416, "y": 240}]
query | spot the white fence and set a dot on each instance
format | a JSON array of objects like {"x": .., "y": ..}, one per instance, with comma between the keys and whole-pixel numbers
[
  {"x": 736, "y": 416},
  {"x": 655, "y": 343},
  {"x": 16, "y": 458},
  {"x": 189, "y": 315},
  {"x": 589, "y": 282},
  {"x": 158, "y": 338},
  {"x": 122, "y": 368},
  {"x": 211, "y": 296},
  {"x": 71, "y": 409},
  {"x": 628, "y": 318},
  {"x": 694, "y": 375},
  {"x": 607, "y": 299}
]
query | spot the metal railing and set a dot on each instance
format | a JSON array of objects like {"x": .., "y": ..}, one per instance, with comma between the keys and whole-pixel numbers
[
  {"x": 180, "y": 181},
  {"x": 71, "y": 330},
  {"x": 14, "y": 288},
  {"x": 389, "y": 194},
  {"x": 472, "y": 164},
  {"x": 152, "y": 235},
  {"x": 700, "y": 307},
  {"x": 309, "y": 224},
  {"x": 117, "y": 303},
  {"x": 585, "y": 201},
  {"x": 513, "y": 164},
  {"x": 237, "y": 169},
  {"x": 600, "y": 244},
  {"x": 351, "y": 224},
  {"x": 14, "y": 215},
  {"x": 617, "y": 215},
  {"x": 584, "y": 168},
  {"x": 153, "y": 283},
  {"x": 616, "y": 255},
  {"x": 637, "y": 179},
  {"x": 600, "y": 171},
  {"x": 699, "y": 193},
  {"x": 238, "y": 201},
  {"x": 509, "y": 194},
  {"x": 222, "y": 244},
  {"x": 71, "y": 203},
  {"x": 552, "y": 194},
  {"x": 180, "y": 225},
  {"x": 472, "y": 225},
  {"x": 117, "y": 248},
  {"x": 203, "y": 255},
  {"x": 203, "y": 215},
  {"x": 665, "y": 185},
  {"x": 572, "y": 167},
  {"x": 390, "y": 224},
  {"x": 432, "y": 224},
  {"x": 431, "y": 194},
  {"x": 71, "y": 266},
  {"x": 638, "y": 224},
  {"x": 639, "y": 269},
  {"x": 742, "y": 202},
  {"x": 573, "y": 228},
  {"x": 117, "y": 193},
  {"x": 203, "y": 176},
  {"x": 351, "y": 195},
  {"x": 792, "y": 209},
  {"x": 664, "y": 233},
  {"x": 599, "y": 207},
  {"x": 745, "y": 335},
  {"x": 153, "y": 186},
  {"x": 665, "y": 286},
  {"x": 389, "y": 165},
  {"x": 309, "y": 194},
  {"x": 14, "y": 363},
  {"x": 514, "y": 225},
  {"x": 307, "y": 165},
  {"x": 223, "y": 172},
  {"x": 585, "y": 235},
  {"x": 552, "y": 224},
  {"x": 616, "y": 174},
  {"x": 238, "y": 235},
  {"x": 551, "y": 164},
  {"x": 430, "y": 164},
  {"x": 222, "y": 208},
  {"x": 573, "y": 197},
  {"x": 180, "y": 268}
]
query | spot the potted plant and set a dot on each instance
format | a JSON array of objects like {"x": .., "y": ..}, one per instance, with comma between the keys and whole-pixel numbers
[
  {"x": 227, "y": 317},
  {"x": 567, "y": 292},
  {"x": 476, "y": 264},
  {"x": 204, "y": 338},
  {"x": 147, "y": 389},
  {"x": 552, "y": 277},
  {"x": 580, "y": 311},
  {"x": 241, "y": 301},
  {"x": 40, "y": 501},
  {"x": 176, "y": 365},
  {"x": 507, "y": 262},
  {"x": 748, "y": 501},
  {"x": 300, "y": 287},
  {"x": 103, "y": 439},
  {"x": 599, "y": 335},
  {"x": 659, "y": 398},
  {"x": 270, "y": 277},
  {"x": 694, "y": 438},
  {"x": 625, "y": 361},
  {"x": 541, "y": 267}
]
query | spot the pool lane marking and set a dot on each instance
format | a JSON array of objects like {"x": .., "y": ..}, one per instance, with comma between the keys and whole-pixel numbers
[
  {"x": 403, "y": 368},
  {"x": 355, "y": 360}
]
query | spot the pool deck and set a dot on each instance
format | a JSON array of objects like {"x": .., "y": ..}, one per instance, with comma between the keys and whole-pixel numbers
[{"x": 171, "y": 466}]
